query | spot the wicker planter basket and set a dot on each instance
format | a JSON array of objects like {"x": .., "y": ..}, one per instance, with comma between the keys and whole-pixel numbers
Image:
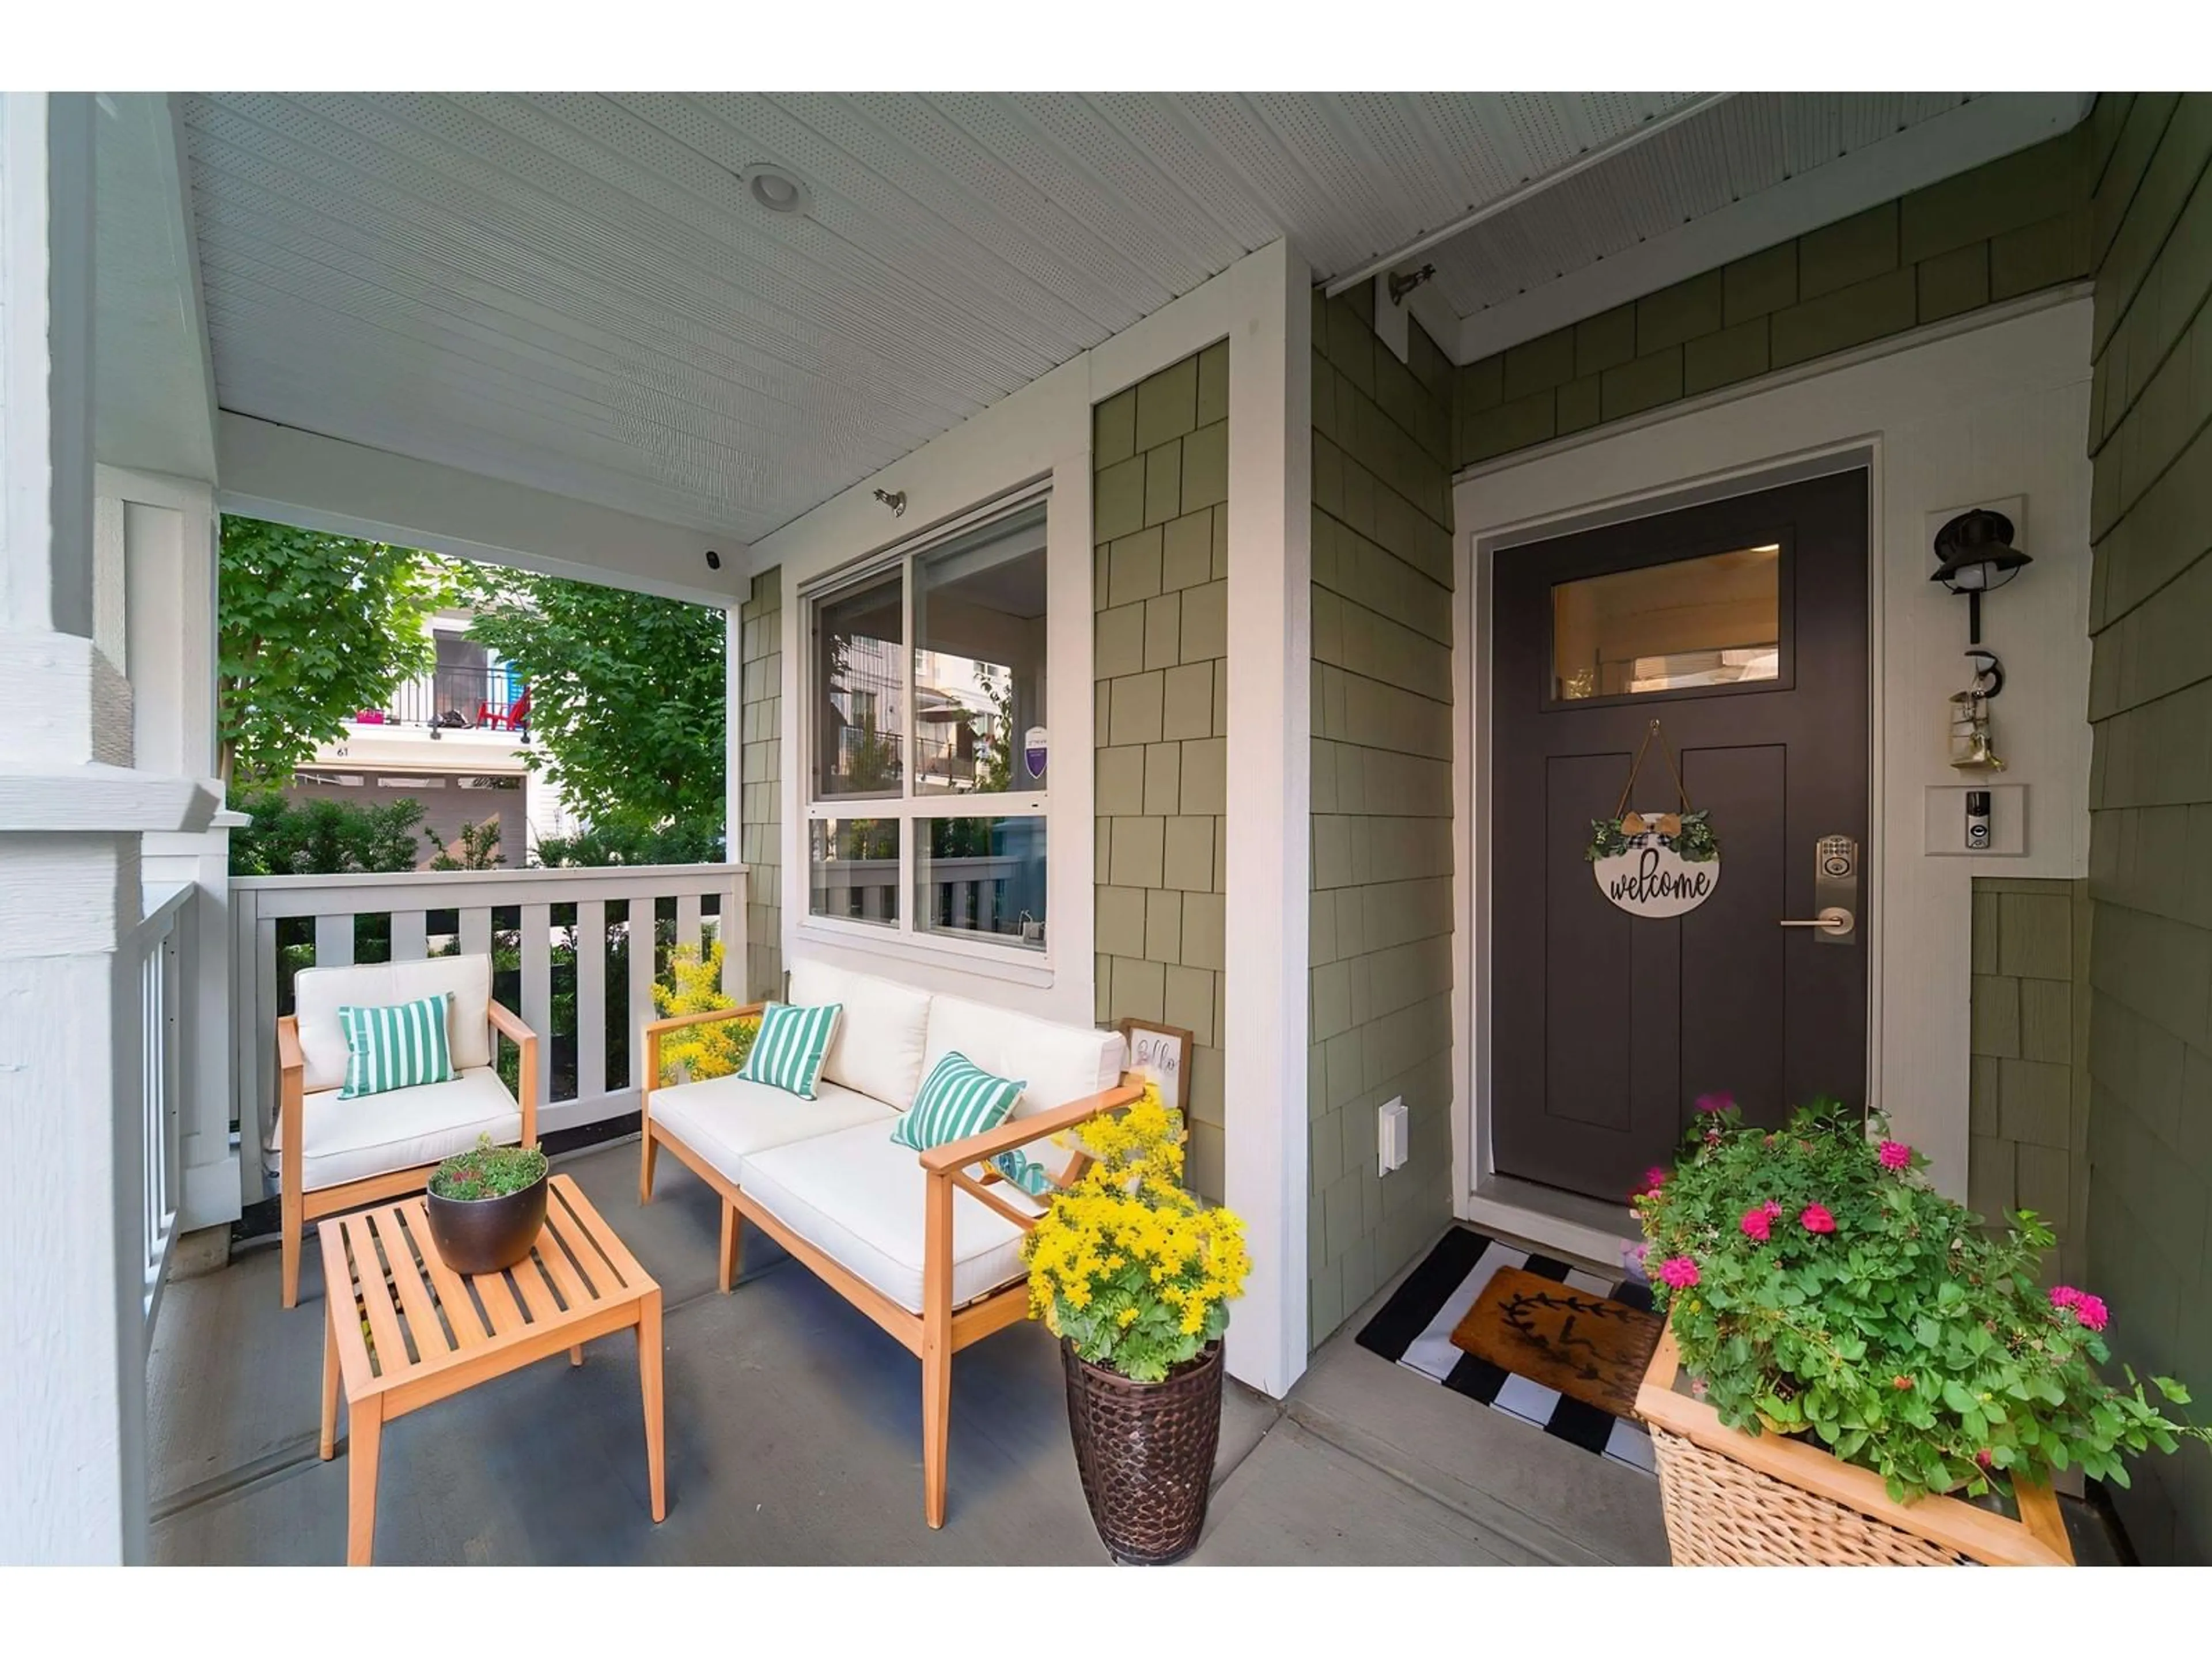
[
  {"x": 1734, "y": 1500},
  {"x": 1146, "y": 1453}
]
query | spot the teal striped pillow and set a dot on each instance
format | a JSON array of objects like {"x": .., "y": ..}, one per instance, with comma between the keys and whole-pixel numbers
[
  {"x": 398, "y": 1047},
  {"x": 958, "y": 1098},
  {"x": 789, "y": 1051}
]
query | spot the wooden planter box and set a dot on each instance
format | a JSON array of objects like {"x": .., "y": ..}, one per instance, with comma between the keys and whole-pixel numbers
[{"x": 1735, "y": 1499}]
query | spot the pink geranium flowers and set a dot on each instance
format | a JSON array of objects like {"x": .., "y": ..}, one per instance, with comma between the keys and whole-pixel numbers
[
  {"x": 1677, "y": 1273},
  {"x": 2089, "y": 1311},
  {"x": 1895, "y": 1155},
  {"x": 1715, "y": 1104},
  {"x": 1815, "y": 1218},
  {"x": 1759, "y": 1221}
]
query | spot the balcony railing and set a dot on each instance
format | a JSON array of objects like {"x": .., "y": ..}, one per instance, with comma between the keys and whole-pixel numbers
[
  {"x": 428, "y": 699},
  {"x": 158, "y": 946},
  {"x": 571, "y": 951}
]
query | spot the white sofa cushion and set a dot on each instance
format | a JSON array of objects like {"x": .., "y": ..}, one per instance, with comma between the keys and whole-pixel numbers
[
  {"x": 877, "y": 1047},
  {"x": 1061, "y": 1062},
  {"x": 861, "y": 1201},
  {"x": 343, "y": 1140},
  {"x": 726, "y": 1119},
  {"x": 318, "y": 993}
]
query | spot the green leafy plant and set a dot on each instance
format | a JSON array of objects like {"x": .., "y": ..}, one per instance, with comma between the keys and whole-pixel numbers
[
  {"x": 1696, "y": 844},
  {"x": 324, "y": 837},
  {"x": 488, "y": 1171},
  {"x": 477, "y": 848},
  {"x": 688, "y": 842},
  {"x": 1818, "y": 1286},
  {"x": 311, "y": 628},
  {"x": 1605, "y": 840}
]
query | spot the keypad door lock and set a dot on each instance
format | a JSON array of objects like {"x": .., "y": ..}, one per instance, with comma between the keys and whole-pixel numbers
[{"x": 1835, "y": 891}]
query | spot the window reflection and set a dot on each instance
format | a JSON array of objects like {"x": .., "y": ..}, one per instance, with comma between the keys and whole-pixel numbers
[
  {"x": 1702, "y": 622},
  {"x": 979, "y": 660},
  {"x": 982, "y": 876},
  {"x": 860, "y": 712},
  {"x": 852, "y": 869}
]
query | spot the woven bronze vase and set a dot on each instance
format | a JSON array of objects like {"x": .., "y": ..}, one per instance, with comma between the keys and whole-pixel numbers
[{"x": 1146, "y": 1453}]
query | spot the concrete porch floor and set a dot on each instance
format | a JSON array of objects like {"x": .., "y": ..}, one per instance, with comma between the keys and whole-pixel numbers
[{"x": 794, "y": 1432}]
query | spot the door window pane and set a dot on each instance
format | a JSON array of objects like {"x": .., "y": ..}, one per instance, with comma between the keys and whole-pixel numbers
[
  {"x": 852, "y": 869},
  {"x": 982, "y": 876},
  {"x": 979, "y": 660},
  {"x": 860, "y": 702},
  {"x": 1703, "y": 622}
]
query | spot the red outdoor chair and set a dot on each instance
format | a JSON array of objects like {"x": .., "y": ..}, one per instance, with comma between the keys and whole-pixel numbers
[{"x": 515, "y": 717}]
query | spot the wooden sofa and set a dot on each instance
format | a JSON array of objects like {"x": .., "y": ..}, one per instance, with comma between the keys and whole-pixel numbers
[
  {"x": 926, "y": 1244},
  {"x": 335, "y": 1156}
]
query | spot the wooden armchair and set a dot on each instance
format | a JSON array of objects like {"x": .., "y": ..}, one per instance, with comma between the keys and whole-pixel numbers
[{"x": 336, "y": 1154}]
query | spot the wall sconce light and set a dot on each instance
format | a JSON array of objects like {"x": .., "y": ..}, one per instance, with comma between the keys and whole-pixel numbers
[{"x": 1974, "y": 554}]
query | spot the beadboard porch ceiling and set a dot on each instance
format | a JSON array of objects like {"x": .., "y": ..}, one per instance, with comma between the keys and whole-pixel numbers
[{"x": 577, "y": 291}]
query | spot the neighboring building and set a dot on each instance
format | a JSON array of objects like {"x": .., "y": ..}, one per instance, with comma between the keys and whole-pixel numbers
[{"x": 458, "y": 740}]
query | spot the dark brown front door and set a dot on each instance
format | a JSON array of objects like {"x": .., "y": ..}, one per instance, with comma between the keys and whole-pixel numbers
[{"x": 1740, "y": 626}]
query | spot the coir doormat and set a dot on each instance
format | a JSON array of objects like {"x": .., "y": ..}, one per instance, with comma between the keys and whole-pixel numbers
[{"x": 1560, "y": 1360}]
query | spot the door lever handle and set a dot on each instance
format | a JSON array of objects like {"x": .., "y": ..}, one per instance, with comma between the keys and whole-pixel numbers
[{"x": 1834, "y": 919}]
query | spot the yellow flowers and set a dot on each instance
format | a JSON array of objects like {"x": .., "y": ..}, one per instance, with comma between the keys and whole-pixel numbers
[
  {"x": 715, "y": 1049},
  {"x": 1126, "y": 1264}
]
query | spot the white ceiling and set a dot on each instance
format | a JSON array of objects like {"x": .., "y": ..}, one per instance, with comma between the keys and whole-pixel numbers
[{"x": 575, "y": 291}]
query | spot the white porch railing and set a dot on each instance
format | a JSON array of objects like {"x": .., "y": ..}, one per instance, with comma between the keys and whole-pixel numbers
[
  {"x": 463, "y": 902},
  {"x": 157, "y": 947}
]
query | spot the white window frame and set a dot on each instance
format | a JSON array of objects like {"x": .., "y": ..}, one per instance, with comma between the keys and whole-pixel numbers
[{"x": 908, "y": 808}]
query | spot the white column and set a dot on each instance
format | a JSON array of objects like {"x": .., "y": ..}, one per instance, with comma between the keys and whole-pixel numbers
[
  {"x": 156, "y": 556},
  {"x": 72, "y": 1451},
  {"x": 1270, "y": 797}
]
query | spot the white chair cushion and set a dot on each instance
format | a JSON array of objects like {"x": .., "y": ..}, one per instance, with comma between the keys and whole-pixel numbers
[
  {"x": 877, "y": 1047},
  {"x": 726, "y": 1119},
  {"x": 318, "y": 993},
  {"x": 861, "y": 1201},
  {"x": 1059, "y": 1063},
  {"x": 344, "y": 1140}
]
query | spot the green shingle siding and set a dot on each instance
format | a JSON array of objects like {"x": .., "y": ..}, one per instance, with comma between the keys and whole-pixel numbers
[
  {"x": 2015, "y": 225},
  {"x": 1380, "y": 916},
  {"x": 1160, "y": 452},
  {"x": 2148, "y": 1232}
]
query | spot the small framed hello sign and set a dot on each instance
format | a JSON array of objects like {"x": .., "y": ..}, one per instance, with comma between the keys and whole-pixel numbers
[{"x": 1161, "y": 1055}]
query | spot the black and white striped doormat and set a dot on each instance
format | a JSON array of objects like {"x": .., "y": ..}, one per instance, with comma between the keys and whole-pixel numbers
[{"x": 1414, "y": 1329}]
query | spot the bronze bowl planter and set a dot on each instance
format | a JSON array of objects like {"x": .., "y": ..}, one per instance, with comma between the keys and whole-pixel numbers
[{"x": 485, "y": 1235}]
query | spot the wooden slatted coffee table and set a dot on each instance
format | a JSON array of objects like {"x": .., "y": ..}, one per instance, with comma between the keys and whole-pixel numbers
[{"x": 404, "y": 1330}]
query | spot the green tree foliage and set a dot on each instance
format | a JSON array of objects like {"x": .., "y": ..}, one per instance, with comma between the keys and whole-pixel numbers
[
  {"x": 626, "y": 699},
  {"x": 312, "y": 628},
  {"x": 605, "y": 844},
  {"x": 477, "y": 848},
  {"x": 324, "y": 837}
]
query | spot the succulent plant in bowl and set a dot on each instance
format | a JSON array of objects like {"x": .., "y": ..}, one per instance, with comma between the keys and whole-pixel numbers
[{"x": 487, "y": 1206}]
